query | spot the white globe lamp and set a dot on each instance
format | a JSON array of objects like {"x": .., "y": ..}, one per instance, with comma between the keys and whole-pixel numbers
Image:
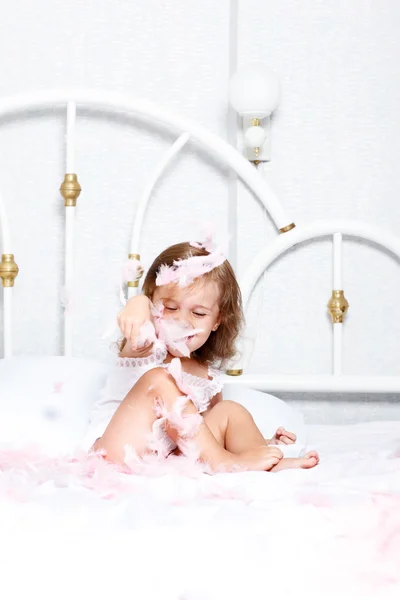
[{"x": 255, "y": 91}]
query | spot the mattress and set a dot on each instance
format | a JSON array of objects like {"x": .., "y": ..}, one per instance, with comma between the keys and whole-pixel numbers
[{"x": 70, "y": 529}]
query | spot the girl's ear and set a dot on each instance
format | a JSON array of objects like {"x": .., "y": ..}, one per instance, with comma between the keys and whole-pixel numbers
[{"x": 217, "y": 324}]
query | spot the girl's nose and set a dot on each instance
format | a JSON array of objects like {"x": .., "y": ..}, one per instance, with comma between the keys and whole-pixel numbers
[{"x": 185, "y": 319}]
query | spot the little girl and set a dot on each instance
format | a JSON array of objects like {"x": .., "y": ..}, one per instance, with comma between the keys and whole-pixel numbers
[{"x": 165, "y": 386}]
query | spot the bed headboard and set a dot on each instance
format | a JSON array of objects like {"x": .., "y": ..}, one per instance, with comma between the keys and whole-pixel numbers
[{"x": 288, "y": 235}]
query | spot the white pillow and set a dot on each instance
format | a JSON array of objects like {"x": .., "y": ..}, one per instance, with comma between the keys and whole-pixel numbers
[
  {"x": 48, "y": 400},
  {"x": 269, "y": 413}
]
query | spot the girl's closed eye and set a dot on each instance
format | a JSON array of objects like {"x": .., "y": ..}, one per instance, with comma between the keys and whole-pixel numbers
[{"x": 196, "y": 314}]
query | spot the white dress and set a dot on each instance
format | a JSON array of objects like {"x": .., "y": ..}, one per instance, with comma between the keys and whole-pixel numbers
[{"x": 127, "y": 371}]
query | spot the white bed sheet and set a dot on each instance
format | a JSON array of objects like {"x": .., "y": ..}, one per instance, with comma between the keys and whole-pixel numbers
[{"x": 330, "y": 532}]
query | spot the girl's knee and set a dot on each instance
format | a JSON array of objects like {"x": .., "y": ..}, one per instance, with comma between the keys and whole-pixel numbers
[
  {"x": 234, "y": 410},
  {"x": 154, "y": 379},
  {"x": 158, "y": 384},
  {"x": 232, "y": 406}
]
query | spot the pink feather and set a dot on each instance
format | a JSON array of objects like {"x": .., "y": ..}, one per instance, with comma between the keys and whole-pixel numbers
[
  {"x": 157, "y": 310},
  {"x": 165, "y": 275},
  {"x": 184, "y": 271},
  {"x": 159, "y": 441},
  {"x": 174, "y": 334},
  {"x": 186, "y": 425},
  {"x": 58, "y": 387},
  {"x": 188, "y": 269},
  {"x": 132, "y": 270},
  {"x": 147, "y": 334},
  {"x": 175, "y": 370},
  {"x": 209, "y": 244}
]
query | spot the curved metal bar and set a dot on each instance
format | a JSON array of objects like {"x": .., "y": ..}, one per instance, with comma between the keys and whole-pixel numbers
[
  {"x": 114, "y": 101},
  {"x": 266, "y": 257},
  {"x": 4, "y": 230},
  {"x": 159, "y": 170}
]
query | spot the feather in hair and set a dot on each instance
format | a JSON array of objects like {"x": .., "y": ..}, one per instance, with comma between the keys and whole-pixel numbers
[{"x": 185, "y": 270}]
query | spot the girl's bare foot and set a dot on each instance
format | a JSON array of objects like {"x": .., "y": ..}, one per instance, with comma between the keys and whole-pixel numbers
[{"x": 309, "y": 460}]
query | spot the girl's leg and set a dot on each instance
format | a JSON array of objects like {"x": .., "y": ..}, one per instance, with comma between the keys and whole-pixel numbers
[
  {"x": 234, "y": 427},
  {"x": 133, "y": 421},
  {"x": 309, "y": 460}
]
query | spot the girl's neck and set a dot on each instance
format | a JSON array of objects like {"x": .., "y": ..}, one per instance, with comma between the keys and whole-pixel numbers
[{"x": 184, "y": 359}]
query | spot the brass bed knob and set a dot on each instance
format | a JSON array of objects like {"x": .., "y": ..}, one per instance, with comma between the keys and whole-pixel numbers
[
  {"x": 337, "y": 306},
  {"x": 8, "y": 270},
  {"x": 70, "y": 189}
]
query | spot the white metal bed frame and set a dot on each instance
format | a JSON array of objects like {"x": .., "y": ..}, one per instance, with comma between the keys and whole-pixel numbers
[{"x": 216, "y": 146}]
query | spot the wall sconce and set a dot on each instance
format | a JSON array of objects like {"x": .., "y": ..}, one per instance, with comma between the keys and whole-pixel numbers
[{"x": 254, "y": 93}]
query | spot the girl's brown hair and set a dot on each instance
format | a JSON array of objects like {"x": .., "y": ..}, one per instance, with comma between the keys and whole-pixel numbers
[{"x": 220, "y": 346}]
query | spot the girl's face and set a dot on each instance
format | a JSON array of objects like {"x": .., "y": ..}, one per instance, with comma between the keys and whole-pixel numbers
[{"x": 196, "y": 306}]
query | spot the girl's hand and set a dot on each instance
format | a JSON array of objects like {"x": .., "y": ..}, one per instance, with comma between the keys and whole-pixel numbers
[
  {"x": 283, "y": 437},
  {"x": 131, "y": 318}
]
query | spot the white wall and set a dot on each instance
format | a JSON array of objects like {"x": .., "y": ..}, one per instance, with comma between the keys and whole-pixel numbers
[
  {"x": 171, "y": 52},
  {"x": 336, "y": 141},
  {"x": 335, "y": 153}
]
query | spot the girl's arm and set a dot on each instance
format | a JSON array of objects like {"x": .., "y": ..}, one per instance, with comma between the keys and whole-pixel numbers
[
  {"x": 130, "y": 320},
  {"x": 215, "y": 400},
  {"x": 128, "y": 352}
]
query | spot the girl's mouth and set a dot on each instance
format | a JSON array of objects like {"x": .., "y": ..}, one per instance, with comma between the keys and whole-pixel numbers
[{"x": 188, "y": 337}]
